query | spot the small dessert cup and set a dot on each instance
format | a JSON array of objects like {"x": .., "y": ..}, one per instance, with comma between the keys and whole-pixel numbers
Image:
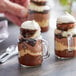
[{"x": 31, "y": 52}]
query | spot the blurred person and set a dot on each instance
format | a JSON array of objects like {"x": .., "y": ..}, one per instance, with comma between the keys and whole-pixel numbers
[{"x": 15, "y": 10}]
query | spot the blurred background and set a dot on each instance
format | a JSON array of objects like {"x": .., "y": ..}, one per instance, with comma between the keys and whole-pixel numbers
[{"x": 59, "y": 6}]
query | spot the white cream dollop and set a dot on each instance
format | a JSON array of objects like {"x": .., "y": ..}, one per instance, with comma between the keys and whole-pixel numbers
[
  {"x": 66, "y": 18},
  {"x": 37, "y": 8},
  {"x": 32, "y": 25}
]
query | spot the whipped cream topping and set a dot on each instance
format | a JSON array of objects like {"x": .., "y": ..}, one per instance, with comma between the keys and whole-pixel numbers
[
  {"x": 32, "y": 25},
  {"x": 66, "y": 33},
  {"x": 37, "y": 8},
  {"x": 66, "y": 18},
  {"x": 39, "y": 0}
]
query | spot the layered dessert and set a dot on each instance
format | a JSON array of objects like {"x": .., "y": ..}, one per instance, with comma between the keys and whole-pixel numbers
[
  {"x": 65, "y": 37},
  {"x": 40, "y": 12},
  {"x": 30, "y": 44},
  {"x": 30, "y": 52}
]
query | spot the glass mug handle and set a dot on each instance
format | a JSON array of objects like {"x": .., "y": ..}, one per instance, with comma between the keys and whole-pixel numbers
[
  {"x": 70, "y": 42},
  {"x": 45, "y": 49}
]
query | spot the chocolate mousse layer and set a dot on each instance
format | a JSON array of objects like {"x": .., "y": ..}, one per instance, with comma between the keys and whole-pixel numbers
[
  {"x": 41, "y": 3},
  {"x": 30, "y": 60},
  {"x": 65, "y": 53},
  {"x": 41, "y": 12},
  {"x": 26, "y": 33},
  {"x": 65, "y": 26},
  {"x": 44, "y": 29},
  {"x": 39, "y": 16},
  {"x": 30, "y": 52}
]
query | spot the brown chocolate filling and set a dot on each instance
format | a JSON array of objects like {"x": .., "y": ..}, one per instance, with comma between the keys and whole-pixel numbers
[
  {"x": 39, "y": 3},
  {"x": 59, "y": 36},
  {"x": 65, "y": 26},
  {"x": 42, "y": 12},
  {"x": 26, "y": 33},
  {"x": 45, "y": 29},
  {"x": 30, "y": 60},
  {"x": 39, "y": 17},
  {"x": 65, "y": 53}
]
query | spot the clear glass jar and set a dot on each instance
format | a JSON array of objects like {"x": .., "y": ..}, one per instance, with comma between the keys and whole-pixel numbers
[
  {"x": 65, "y": 46},
  {"x": 31, "y": 52}
]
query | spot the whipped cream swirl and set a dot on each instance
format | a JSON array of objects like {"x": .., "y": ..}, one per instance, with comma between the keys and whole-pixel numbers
[
  {"x": 37, "y": 8},
  {"x": 32, "y": 25},
  {"x": 66, "y": 18}
]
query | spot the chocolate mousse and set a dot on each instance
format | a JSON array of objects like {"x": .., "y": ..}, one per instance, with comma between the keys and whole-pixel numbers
[
  {"x": 39, "y": 2},
  {"x": 66, "y": 26},
  {"x": 30, "y": 44},
  {"x": 40, "y": 11},
  {"x": 65, "y": 37}
]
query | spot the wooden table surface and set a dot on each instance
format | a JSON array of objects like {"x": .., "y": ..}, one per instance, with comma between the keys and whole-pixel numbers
[{"x": 50, "y": 67}]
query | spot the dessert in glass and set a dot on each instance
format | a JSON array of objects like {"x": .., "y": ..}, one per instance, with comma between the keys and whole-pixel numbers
[
  {"x": 65, "y": 37},
  {"x": 40, "y": 12},
  {"x": 31, "y": 45}
]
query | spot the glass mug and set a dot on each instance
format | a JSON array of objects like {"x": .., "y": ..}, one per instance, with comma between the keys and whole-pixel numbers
[
  {"x": 65, "y": 47},
  {"x": 31, "y": 51}
]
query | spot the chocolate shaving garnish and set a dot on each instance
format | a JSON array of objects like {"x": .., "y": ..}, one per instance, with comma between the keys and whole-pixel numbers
[{"x": 29, "y": 41}]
